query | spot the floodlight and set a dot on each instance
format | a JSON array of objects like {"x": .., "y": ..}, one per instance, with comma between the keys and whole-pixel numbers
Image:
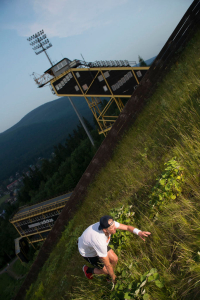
[{"x": 40, "y": 41}]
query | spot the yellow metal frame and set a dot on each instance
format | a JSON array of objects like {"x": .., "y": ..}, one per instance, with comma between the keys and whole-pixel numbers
[
  {"x": 104, "y": 121},
  {"x": 38, "y": 240},
  {"x": 34, "y": 212},
  {"x": 57, "y": 205},
  {"x": 19, "y": 258},
  {"x": 35, "y": 233}
]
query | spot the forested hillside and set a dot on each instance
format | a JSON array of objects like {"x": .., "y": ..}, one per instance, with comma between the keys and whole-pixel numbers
[
  {"x": 62, "y": 173},
  {"x": 37, "y": 133},
  {"x": 56, "y": 176}
]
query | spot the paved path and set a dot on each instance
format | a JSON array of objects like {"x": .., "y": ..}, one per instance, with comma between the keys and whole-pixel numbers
[{"x": 10, "y": 272}]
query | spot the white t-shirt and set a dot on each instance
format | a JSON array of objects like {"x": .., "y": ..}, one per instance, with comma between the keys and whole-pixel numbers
[{"x": 93, "y": 242}]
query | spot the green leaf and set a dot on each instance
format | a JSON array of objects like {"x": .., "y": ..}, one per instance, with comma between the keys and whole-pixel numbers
[
  {"x": 146, "y": 297},
  {"x": 130, "y": 286},
  {"x": 167, "y": 187},
  {"x": 154, "y": 270},
  {"x": 162, "y": 181},
  {"x": 124, "y": 274},
  {"x": 159, "y": 284},
  {"x": 116, "y": 285},
  {"x": 142, "y": 278},
  {"x": 156, "y": 276},
  {"x": 150, "y": 278},
  {"x": 172, "y": 196},
  {"x": 126, "y": 296}
]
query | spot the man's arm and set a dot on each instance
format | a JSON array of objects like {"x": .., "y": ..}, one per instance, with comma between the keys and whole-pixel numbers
[
  {"x": 109, "y": 267},
  {"x": 142, "y": 234}
]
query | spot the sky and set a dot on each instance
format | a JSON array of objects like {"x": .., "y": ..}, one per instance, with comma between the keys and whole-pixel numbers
[{"x": 97, "y": 29}]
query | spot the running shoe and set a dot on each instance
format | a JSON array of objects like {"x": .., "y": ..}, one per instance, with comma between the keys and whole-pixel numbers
[
  {"x": 88, "y": 275},
  {"x": 108, "y": 279}
]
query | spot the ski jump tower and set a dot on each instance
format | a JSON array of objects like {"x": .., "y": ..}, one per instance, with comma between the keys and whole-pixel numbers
[{"x": 113, "y": 80}]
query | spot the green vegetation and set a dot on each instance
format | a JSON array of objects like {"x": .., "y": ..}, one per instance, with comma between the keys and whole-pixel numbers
[
  {"x": 20, "y": 268},
  {"x": 37, "y": 133},
  {"x": 7, "y": 235},
  {"x": 4, "y": 198},
  {"x": 56, "y": 176},
  {"x": 155, "y": 170},
  {"x": 61, "y": 174},
  {"x": 9, "y": 286},
  {"x": 167, "y": 188},
  {"x": 141, "y": 61}
]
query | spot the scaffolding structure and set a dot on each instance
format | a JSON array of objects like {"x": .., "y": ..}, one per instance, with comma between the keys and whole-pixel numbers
[
  {"x": 36, "y": 221},
  {"x": 111, "y": 81}
]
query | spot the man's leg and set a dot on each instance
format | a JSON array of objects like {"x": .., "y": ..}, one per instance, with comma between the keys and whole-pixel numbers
[
  {"x": 113, "y": 258},
  {"x": 100, "y": 271}
]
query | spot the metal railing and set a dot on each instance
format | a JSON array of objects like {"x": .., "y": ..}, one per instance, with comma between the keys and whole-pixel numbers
[{"x": 39, "y": 210}]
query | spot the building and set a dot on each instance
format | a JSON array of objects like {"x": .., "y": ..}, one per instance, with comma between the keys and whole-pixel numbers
[
  {"x": 36, "y": 221},
  {"x": 11, "y": 186}
]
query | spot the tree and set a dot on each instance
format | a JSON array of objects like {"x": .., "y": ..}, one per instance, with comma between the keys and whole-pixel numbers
[
  {"x": 141, "y": 61},
  {"x": 80, "y": 159}
]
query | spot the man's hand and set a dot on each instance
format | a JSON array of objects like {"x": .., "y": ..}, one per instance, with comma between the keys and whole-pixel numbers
[
  {"x": 143, "y": 234},
  {"x": 114, "y": 280},
  {"x": 130, "y": 228}
]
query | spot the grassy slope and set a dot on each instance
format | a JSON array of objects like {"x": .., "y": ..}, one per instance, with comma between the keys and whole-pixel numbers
[
  {"x": 169, "y": 126},
  {"x": 20, "y": 268},
  {"x": 9, "y": 286}
]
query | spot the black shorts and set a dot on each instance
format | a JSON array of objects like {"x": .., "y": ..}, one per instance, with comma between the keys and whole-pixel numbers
[{"x": 95, "y": 261}]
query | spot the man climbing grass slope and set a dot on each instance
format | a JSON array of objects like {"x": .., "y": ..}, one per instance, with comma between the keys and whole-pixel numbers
[{"x": 93, "y": 246}]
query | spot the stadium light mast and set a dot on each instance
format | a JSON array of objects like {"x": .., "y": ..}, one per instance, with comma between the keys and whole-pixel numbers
[
  {"x": 39, "y": 40},
  {"x": 82, "y": 122},
  {"x": 40, "y": 44}
]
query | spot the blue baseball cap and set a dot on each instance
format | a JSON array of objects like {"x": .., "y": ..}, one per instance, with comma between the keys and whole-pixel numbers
[{"x": 104, "y": 222}]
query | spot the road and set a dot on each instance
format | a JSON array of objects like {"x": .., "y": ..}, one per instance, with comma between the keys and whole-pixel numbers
[{"x": 9, "y": 271}]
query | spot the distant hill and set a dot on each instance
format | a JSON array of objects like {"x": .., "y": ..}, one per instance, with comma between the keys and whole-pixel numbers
[
  {"x": 37, "y": 133},
  {"x": 148, "y": 61},
  {"x": 52, "y": 111}
]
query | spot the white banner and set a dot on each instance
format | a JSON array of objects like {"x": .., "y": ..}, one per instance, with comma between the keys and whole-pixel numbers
[{"x": 40, "y": 223}]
